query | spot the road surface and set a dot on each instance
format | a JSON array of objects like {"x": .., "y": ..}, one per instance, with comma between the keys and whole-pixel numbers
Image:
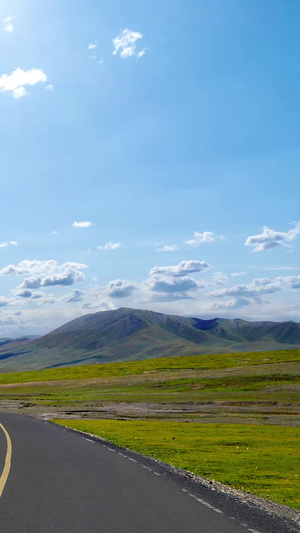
[{"x": 59, "y": 481}]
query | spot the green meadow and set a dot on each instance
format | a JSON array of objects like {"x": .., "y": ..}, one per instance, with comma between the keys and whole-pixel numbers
[
  {"x": 261, "y": 459},
  {"x": 164, "y": 364},
  {"x": 229, "y": 417}
]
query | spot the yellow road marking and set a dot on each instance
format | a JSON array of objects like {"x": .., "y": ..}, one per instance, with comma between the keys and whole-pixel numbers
[{"x": 5, "y": 473}]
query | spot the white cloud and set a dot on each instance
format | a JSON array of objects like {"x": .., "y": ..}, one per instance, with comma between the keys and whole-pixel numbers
[
  {"x": 29, "y": 295},
  {"x": 18, "y": 79},
  {"x": 219, "y": 278},
  {"x": 35, "y": 266},
  {"x": 270, "y": 238},
  {"x": 167, "y": 248},
  {"x": 120, "y": 288},
  {"x": 8, "y": 26},
  {"x": 173, "y": 283},
  {"x": 126, "y": 44},
  {"x": 109, "y": 246},
  {"x": 238, "y": 274},
  {"x": 183, "y": 268},
  {"x": 55, "y": 279},
  {"x": 65, "y": 278},
  {"x": 252, "y": 290},
  {"x": 4, "y": 301},
  {"x": 19, "y": 92},
  {"x": 49, "y": 87},
  {"x": 84, "y": 224},
  {"x": 9, "y": 243},
  {"x": 206, "y": 236},
  {"x": 31, "y": 283},
  {"x": 282, "y": 268},
  {"x": 252, "y": 294},
  {"x": 170, "y": 284},
  {"x": 235, "y": 303},
  {"x": 74, "y": 296},
  {"x": 28, "y": 267},
  {"x": 142, "y": 52},
  {"x": 242, "y": 295},
  {"x": 92, "y": 46}
]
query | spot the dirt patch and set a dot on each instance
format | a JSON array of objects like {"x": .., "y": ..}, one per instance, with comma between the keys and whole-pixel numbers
[{"x": 205, "y": 412}]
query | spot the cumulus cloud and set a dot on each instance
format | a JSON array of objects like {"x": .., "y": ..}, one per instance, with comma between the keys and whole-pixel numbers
[
  {"x": 74, "y": 296},
  {"x": 173, "y": 282},
  {"x": 125, "y": 43},
  {"x": 28, "y": 294},
  {"x": 253, "y": 290},
  {"x": 167, "y": 248},
  {"x": 53, "y": 280},
  {"x": 66, "y": 278},
  {"x": 173, "y": 285},
  {"x": 241, "y": 295},
  {"x": 238, "y": 274},
  {"x": 183, "y": 268},
  {"x": 31, "y": 283},
  {"x": 120, "y": 289},
  {"x": 206, "y": 236},
  {"x": 92, "y": 46},
  {"x": 17, "y": 81},
  {"x": 49, "y": 87},
  {"x": 270, "y": 238},
  {"x": 46, "y": 273},
  {"x": 28, "y": 266},
  {"x": 109, "y": 246},
  {"x": 83, "y": 224}
]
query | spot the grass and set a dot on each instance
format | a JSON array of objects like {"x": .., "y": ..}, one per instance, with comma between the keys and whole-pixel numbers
[
  {"x": 164, "y": 364},
  {"x": 273, "y": 389},
  {"x": 261, "y": 459},
  {"x": 248, "y": 401}
]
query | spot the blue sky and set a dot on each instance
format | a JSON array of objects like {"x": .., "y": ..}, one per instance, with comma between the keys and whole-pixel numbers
[{"x": 149, "y": 158}]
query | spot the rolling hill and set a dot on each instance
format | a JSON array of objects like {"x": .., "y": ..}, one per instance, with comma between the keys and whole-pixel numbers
[{"x": 130, "y": 334}]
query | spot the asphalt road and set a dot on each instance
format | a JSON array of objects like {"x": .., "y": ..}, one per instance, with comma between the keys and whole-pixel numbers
[{"x": 61, "y": 482}]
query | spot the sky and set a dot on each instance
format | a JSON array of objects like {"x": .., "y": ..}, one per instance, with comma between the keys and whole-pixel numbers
[{"x": 150, "y": 156}]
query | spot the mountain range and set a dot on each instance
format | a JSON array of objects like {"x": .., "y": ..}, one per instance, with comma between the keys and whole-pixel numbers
[{"x": 130, "y": 334}]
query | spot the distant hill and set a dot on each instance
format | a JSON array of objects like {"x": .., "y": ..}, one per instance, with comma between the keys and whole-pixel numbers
[{"x": 130, "y": 334}]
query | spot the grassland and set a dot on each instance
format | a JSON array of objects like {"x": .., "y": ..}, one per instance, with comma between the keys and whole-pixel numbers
[
  {"x": 164, "y": 364},
  {"x": 248, "y": 404},
  {"x": 259, "y": 459}
]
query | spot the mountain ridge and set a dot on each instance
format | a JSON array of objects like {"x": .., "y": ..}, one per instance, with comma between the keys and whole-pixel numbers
[{"x": 127, "y": 334}]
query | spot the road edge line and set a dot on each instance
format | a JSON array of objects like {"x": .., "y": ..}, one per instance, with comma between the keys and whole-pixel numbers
[{"x": 7, "y": 464}]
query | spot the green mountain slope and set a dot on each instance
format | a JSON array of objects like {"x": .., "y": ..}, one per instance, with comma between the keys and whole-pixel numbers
[{"x": 129, "y": 334}]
